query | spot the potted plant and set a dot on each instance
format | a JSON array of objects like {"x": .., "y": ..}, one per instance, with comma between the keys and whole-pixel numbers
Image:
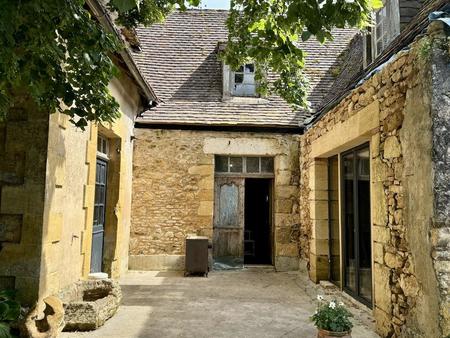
[{"x": 332, "y": 319}]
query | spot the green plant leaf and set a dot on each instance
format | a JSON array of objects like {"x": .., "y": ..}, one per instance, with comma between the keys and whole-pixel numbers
[
  {"x": 8, "y": 294},
  {"x": 125, "y": 5},
  {"x": 5, "y": 331},
  {"x": 4, "y": 308},
  {"x": 13, "y": 310}
]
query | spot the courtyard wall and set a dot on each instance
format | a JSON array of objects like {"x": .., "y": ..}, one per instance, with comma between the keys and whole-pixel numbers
[
  {"x": 392, "y": 111},
  {"x": 173, "y": 192},
  {"x": 47, "y": 186}
]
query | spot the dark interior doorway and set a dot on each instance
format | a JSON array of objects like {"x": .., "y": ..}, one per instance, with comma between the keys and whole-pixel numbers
[{"x": 257, "y": 215}]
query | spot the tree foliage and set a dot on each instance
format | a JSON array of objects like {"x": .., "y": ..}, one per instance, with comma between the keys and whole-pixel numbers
[
  {"x": 269, "y": 32},
  {"x": 57, "y": 53}
]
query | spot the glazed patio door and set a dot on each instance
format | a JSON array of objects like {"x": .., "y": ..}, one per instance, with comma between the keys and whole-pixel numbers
[
  {"x": 357, "y": 248},
  {"x": 228, "y": 232}
]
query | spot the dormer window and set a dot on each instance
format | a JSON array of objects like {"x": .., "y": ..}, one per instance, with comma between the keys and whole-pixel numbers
[
  {"x": 387, "y": 27},
  {"x": 240, "y": 84},
  {"x": 243, "y": 81}
]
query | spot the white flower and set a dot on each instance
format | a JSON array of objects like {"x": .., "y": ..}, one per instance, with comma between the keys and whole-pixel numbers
[
  {"x": 341, "y": 304},
  {"x": 319, "y": 297},
  {"x": 332, "y": 305}
]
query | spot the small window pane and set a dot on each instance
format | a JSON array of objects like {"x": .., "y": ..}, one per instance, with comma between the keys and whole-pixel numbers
[
  {"x": 252, "y": 164},
  {"x": 221, "y": 164},
  {"x": 250, "y": 68},
  {"x": 99, "y": 144},
  {"x": 238, "y": 78},
  {"x": 236, "y": 164},
  {"x": 364, "y": 164},
  {"x": 267, "y": 164}
]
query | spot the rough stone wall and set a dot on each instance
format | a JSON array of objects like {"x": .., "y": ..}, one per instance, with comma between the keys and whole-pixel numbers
[
  {"x": 173, "y": 191},
  {"x": 440, "y": 234},
  {"x": 23, "y": 154},
  {"x": 404, "y": 286}
]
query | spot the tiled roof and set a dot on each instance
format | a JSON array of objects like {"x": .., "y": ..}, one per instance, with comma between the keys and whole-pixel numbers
[
  {"x": 179, "y": 59},
  {"x": 413, "y": 30}
]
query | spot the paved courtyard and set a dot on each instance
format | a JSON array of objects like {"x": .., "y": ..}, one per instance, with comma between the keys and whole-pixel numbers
[{"x": 254, "y": 302}]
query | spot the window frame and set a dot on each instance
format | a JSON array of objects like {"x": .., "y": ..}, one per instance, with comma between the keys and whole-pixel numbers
[
  {"x": 245, "y": 76},
  {"x": 103, "y": 147},
  {"x": 228, "y": 93},
  {"x": 388, "y": 24},
  {"x": 243, "y": 172}
]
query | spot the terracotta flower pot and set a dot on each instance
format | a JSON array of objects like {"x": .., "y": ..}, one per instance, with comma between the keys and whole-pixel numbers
[{"x": 328, "y": 334}]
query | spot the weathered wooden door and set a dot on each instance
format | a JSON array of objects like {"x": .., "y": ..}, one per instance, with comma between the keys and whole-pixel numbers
[
  {"x": 228, "y": 237},
  {"x": 98, "y": 230}
]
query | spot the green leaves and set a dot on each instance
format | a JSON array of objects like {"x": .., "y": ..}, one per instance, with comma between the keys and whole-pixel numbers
[
  {"x": 268, "y": 31},
  {"x": 55, "y": 53},
  {"x": 125, "y": 5},
  {"x": 332, "y": 316},
  {"x": 9, "y": 311},
  {"x": 5, "y": 331}
]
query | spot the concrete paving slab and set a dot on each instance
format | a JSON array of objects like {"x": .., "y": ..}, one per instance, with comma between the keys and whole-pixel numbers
[{"x": 247, "y": 303}]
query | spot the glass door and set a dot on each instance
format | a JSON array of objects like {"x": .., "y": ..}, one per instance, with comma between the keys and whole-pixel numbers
[
  {"x": 356, "y": 227},
  {"x": 333, "y": 221}
]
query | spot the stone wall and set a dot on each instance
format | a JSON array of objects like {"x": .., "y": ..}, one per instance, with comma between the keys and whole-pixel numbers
[
  {"x": 440, "y": 233},
  {"x": 23, "y": 155},
  {"x": 391, "y": 110},
  {"x": 47, "y": 185},
  {"x": 70, "y": 190},
  {"x": 173, "y": 192}
]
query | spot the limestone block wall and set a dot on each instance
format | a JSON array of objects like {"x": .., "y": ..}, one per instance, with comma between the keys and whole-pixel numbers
[
  {"x": 70, "y": 190},
  {"x": 173, "y": 192},
  {"x": 23, "y": 154},
  {"x": 47, "y": 186},
  {"x": 391, "y": 111}
]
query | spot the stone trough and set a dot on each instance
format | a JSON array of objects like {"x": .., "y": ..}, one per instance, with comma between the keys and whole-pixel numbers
[{"x": 89, "y": 304}]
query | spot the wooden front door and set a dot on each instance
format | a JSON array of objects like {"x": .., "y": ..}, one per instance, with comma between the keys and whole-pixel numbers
[
  {"x": 228, "y": 237},
  {"x": 98, "y": 230}
]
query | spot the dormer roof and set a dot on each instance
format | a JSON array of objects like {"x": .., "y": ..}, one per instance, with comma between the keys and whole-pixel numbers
[{"x": 179, "y": 59}]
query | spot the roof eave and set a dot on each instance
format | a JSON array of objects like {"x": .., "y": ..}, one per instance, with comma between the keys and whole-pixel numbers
[
  {"x": 237, "y": 127},
  {"x": 105, "y": 20}
]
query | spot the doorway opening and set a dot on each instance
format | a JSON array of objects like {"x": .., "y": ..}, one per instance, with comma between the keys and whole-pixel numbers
[
  {"x": 242, "y": 230},
  {"x": 257, "y": 221}
]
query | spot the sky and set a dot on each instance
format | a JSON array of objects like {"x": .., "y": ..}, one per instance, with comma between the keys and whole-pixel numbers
[{"x": 221, "y": 4}]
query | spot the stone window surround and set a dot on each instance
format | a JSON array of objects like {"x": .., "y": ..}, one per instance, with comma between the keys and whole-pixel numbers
[{"x": 357, "y": 130}]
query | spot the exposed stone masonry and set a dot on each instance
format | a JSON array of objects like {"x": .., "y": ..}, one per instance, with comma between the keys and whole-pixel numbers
[
  {"x": 173, "y": 192},
  {"x": 397, "y": 289},
  {"x": 23, "y": 144},
  {"x": 440, "y": 234}
]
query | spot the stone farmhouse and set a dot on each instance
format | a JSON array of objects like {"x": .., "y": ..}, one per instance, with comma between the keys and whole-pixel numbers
[
  {"x": 354, "y": 191},
  {"x": 56, "y": 222}
]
